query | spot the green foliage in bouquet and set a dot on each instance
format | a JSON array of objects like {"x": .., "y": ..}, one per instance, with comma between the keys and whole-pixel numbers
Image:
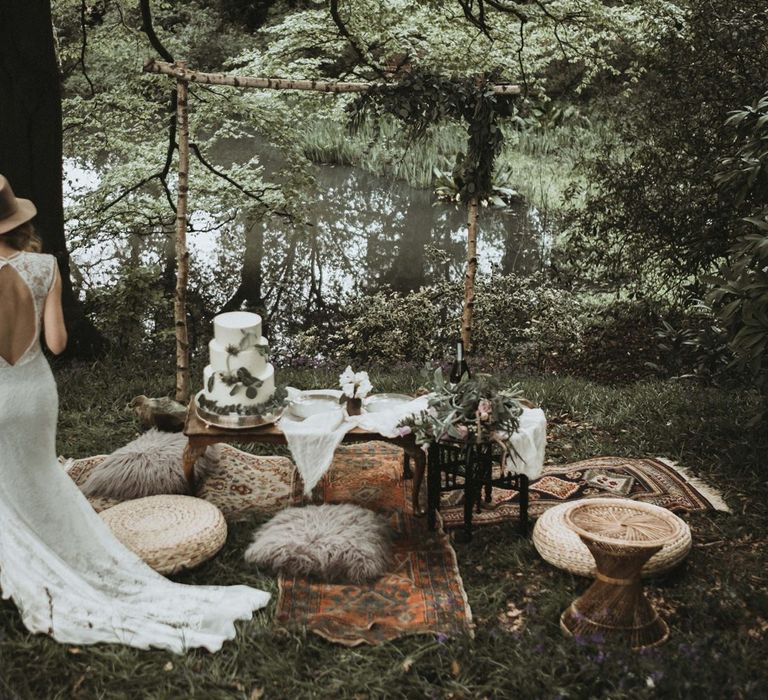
[{"x": 473, "y": 409}]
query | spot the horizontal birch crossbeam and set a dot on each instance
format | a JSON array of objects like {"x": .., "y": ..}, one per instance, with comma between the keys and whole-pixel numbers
[{"x": 243, "y": 81}]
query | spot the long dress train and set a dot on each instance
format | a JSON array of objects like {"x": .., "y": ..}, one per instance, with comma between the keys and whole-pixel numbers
[{"x": 67, "y": 574}]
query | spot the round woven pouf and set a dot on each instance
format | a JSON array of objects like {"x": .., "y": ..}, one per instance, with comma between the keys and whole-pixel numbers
[
  {"x": 622, "y": 535},
  {"x": 563, "y": 548},
  {"x": 170, "y": 533}
]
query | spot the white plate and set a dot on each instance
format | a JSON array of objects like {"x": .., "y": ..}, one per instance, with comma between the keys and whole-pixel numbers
[
  {"x": 385, "y": 402},
  {"x": 312, "y": 402},
  {"x": 336, "y": 393}
]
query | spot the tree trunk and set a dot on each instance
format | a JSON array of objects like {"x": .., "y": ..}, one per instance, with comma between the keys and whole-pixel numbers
[
  {"x": 249, "y": 293},
  {"x": 31, "y": 140},
  {"x": 407, "y": 272},
  {"x": 182, "y": 254},
  {"x": 469, "y": 275}
]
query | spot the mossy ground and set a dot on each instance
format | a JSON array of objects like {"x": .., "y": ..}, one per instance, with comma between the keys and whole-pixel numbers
[{"x": 716, "y": 603}]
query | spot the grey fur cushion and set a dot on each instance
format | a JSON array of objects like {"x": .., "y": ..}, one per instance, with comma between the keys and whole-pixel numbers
[
  {"x": 339, "y": 543},
  {"x": 148, "y": 466}
]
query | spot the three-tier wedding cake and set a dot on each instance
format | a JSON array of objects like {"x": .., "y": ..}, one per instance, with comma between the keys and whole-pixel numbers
[{"x": 239, "y": 379}]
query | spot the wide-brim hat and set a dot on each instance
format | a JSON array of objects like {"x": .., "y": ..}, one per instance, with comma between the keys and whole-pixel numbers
[{"x": 14, "y": 211}]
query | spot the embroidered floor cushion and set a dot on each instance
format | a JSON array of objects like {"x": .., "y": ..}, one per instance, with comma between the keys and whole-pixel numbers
[{"x": 340, "y": 543}]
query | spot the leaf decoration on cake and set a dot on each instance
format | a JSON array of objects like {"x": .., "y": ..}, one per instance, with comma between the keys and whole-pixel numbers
[
  {"x": 235, "y": 389},
  {"x": 247, "y": 379},
  {"x": 249, "y": 339},
  {"x": 229, "y": 378},
  {"x": 274, "y": 403},
  {"x": 263, "y": 350},
  {"x": 211, "y": 381},
  {"x": 251, "y": 392}
]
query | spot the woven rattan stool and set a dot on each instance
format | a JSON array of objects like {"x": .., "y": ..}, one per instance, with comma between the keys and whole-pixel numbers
[
  {"x": 622, "y": 535},
  {"x": 170, "y": 533},
  {"x": 563, "y": 548}
]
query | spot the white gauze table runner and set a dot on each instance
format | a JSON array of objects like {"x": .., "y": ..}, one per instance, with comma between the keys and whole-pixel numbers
[{"x": 313, "y": 441}]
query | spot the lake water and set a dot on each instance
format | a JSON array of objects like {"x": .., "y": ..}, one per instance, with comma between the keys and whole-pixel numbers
[{"x": 375, "y": 232}]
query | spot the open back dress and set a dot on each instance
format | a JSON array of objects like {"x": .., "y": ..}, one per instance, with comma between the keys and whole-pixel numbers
[{"x": 59, "y": 562}]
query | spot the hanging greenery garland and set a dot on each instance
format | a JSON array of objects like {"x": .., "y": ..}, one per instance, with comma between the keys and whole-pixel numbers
[{"x": 422, "y": 98}]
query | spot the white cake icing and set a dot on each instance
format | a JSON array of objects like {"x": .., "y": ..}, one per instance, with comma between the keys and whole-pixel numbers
[{"x": 239, "y": 374}]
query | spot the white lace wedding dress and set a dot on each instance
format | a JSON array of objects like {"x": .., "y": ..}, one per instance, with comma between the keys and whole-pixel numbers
[{"x": 67, "y": 574}]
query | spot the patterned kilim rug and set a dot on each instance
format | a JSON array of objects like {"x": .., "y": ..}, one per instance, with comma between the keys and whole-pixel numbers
[
  {"x": 655, "y": 481},
  {"x": 423, "y": 591}
]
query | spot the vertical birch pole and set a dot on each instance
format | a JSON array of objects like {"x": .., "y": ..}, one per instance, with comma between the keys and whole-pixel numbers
[
  {"x": 469, "y": 274},
  {"x": 182, "y": 254}
]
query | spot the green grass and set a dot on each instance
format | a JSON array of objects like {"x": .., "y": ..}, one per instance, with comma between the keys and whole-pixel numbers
[{"x": 716, "y": 604}]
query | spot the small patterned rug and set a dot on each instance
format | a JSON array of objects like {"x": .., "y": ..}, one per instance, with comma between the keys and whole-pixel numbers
[
  {"x": 423, "y": 592},
  {"x": 655, "y": 481}
]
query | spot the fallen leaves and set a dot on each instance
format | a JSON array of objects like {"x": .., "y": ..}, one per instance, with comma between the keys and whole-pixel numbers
[
  {"x": 759, "y": 630},
  {"x": 512, "y": 620}
]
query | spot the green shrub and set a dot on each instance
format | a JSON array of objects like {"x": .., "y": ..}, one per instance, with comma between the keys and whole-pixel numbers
[
  {"x": 133, "y": 312},
  {"x": 740, "y": 292},
  {"x": 518, "y": 321}
]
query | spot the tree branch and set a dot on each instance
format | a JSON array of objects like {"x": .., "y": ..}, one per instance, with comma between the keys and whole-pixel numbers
[
  {"x": 83, "y": 47},
  {"x": 149, "y": 30},
  {"x": 339, "y": 22}
]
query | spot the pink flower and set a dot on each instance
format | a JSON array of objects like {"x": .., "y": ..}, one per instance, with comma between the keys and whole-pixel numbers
[
  {"x": 484, "y": 409},
  {"x": 404, "y": 430},
  {"x": 463, "y": 431}
]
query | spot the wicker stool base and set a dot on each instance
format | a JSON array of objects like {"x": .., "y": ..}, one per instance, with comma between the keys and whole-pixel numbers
[
  {"x": 622, "y": 536},
  {"x": 586, "y": 617}
]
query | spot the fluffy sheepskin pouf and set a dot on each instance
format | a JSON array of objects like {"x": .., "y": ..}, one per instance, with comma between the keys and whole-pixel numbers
[
  {"x": 336, "y": 543},
  {"x": 148, "y": 466}
]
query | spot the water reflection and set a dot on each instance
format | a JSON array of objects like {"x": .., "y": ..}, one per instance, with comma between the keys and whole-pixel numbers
[
  {"x": 366, "y": 233},
  {"x": 376, "y": 232}
]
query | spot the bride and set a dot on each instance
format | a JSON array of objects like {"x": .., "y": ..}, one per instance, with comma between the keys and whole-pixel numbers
[{"x": 68, "y": 575}]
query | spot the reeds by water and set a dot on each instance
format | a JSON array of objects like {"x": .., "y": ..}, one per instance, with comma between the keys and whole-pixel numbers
[{"x": 540, "y": 163}]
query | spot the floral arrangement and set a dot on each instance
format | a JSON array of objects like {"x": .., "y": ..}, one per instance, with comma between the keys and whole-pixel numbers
[
  {"x": 354, "y": 385},
  {"x": 473, "y": 409}
]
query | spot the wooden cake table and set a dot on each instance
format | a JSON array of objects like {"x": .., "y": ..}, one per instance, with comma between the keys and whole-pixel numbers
[{"x": 202, "y": 435}]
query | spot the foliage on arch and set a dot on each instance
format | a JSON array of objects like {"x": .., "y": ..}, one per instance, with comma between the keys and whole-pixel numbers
[{"x": 423, "y": 98}]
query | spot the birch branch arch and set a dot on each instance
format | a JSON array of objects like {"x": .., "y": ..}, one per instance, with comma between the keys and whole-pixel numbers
[{"x": 472, "y": 104}]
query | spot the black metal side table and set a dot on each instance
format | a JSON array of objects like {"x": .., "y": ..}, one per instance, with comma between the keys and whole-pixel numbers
[{"x": 467, "y": 466}]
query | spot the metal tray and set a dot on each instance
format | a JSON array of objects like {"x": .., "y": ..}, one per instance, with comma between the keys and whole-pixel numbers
[{"x": 235, "y": 421}]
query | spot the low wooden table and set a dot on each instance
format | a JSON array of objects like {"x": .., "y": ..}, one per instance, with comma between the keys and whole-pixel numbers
[{"x": 202, "y": 435}]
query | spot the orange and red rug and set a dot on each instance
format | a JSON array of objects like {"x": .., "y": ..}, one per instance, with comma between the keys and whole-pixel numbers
[{"x": 421, "y": 594}]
